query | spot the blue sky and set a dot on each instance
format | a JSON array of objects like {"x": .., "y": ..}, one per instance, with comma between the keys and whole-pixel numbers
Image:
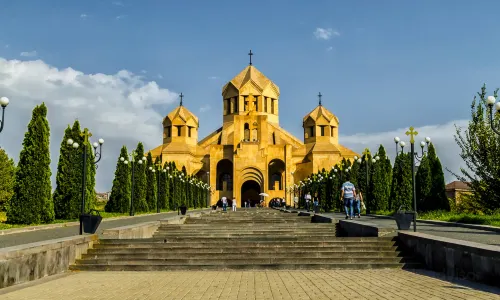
[{"x": 386, "y": 65}]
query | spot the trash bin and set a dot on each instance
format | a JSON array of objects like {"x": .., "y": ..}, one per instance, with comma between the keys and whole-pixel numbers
[
  {"x": 403, "y": 219},
  {"x": 183, "y": 210},
  {"x": 91, "y": 222}
]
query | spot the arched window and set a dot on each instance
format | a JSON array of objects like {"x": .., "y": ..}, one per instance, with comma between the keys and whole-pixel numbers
[
  {"x": 275, "y": 177},
  {"x": 247, "y": 132},
  {"x": 254, "y": 135},
  {"x": 228, "y": 179}
]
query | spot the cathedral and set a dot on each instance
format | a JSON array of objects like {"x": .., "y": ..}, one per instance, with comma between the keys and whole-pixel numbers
[{"x": 250, "y": 153}]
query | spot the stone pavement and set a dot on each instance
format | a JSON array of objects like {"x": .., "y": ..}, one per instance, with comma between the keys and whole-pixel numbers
[
  {"x": 314, "y": 285},
  {"x": 453, "y": 232},
  {"x": 27, "y": 237}
]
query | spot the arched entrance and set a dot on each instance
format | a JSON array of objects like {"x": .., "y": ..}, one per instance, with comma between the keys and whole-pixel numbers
[{"x": 250, "y": 190}]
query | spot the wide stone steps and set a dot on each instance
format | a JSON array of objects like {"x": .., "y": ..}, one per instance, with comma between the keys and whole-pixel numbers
[{"x": 250, "y": 240}]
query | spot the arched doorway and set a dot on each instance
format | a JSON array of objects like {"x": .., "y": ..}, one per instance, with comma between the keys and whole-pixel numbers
[{"x": 250, "y": 190}]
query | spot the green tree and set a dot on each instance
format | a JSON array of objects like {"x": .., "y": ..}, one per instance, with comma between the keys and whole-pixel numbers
[
  {"x": 438, "y": 187},
  {"x": 480, "y": 146},
  {"x": 423, "y": 184},
  {"x": 381, "y": 181},
  {"x": 7, "y": 178},
  {"x": 140, "y": 203},
  {"x": 163, "y": 180},
  {"x": 65, "y": 197},
  {"x": 401, "y": 187},
  {"x": 151, "y": 186},
  {"x": 119, "y": 200},
  {"x": 32, "y": 202},
  {"x": 90, "y": 193}
]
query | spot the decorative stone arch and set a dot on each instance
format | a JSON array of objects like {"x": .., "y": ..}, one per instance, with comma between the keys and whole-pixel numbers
[
  {"x": 252, "y": 173},
  {"x": 252, "y": 183},
  {"x": 276, "y": 170}
]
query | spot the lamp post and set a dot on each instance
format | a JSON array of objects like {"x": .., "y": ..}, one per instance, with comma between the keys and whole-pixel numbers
[
  {"x": 97, "y": 154},
  {"x": 367, "y": 156},
  {"x": 133, "y": 156},
  {"x": 4, "y": 101},
  {"x": 207, "y": 192},
  {"x": 414, "y": 156},
  {"x": 158, "y": 167},
  {"x": 491, "y": 101}
]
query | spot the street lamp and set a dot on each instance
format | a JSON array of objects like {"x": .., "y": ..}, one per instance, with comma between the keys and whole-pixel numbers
[
  {"x": 491, "y": 101},
  {"x": 4, "y": 101},
  {"x": 97, "y": 155},
  {"x": 133, "y": 156},
  {"x": 208, "y": 194},
  {"x": 158, "y": 167},
  {"x": 412, "y": 133},
  {"x": 373, "y": 160}
]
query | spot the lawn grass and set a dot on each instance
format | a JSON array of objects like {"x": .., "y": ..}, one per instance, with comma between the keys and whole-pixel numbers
[
  {"x": 99, "y": 207},
  {"x": 492, "y": 220}
]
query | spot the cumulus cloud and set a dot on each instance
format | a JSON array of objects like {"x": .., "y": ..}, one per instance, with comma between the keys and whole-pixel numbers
[
  {"x": 205, "y": 108},
  {"x": 117, "y": 107},
  {"x": 442, "y": 137},
  {"x": 120, "y": 17},
  {"x": 29, "y": 53},
  {"x": 213, "y": 77},
  {"x": 325, "y": 33},
  {"x": 83, "y": 16},
  {"x": 329, "y": 49}
]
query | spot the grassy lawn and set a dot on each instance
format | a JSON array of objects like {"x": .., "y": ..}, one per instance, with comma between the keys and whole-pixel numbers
[
  {"x": 492, "y": 220},
  {"x": 99, "y": 207}
]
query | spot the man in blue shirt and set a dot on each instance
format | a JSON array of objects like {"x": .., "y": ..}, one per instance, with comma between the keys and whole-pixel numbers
[{"x": 348, "y": 192}]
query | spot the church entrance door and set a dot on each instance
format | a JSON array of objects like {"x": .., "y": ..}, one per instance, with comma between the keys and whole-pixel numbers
[{"x": 250, "y": 190}]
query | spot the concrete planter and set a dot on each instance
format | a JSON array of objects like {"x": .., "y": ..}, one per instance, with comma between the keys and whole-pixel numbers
[
  {"x": 404, "y": 219},
  {"x": 183, "y": 210}
]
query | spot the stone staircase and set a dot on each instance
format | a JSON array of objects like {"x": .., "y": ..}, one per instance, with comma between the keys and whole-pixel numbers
[{"x": 247, "y": 239}]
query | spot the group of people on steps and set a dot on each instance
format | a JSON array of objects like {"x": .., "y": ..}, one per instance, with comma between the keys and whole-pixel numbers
[{"x": 352, "y": 199}]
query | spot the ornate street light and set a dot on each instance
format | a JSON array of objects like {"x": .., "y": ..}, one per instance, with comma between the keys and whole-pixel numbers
[
  {"x": 491, "y": 101},
  {"x": 97, "y": 157},
  {"x": 4, "y": 101},
  {"x": 133, "y": 159},
  {"x": 414, "y": 156},
  {"x": 368, "y": 161}
]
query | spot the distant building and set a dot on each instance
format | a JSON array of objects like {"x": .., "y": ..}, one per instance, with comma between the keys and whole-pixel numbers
[
  {"x": 457, "y": 189},
  {"x": 102, "y": 196}
]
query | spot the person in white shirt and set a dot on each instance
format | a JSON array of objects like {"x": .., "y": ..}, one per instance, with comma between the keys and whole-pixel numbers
[
  {"x": 224, "y": 204},
  {"x": 308, "y": 198},
  {"x": 234, "y": 204}
]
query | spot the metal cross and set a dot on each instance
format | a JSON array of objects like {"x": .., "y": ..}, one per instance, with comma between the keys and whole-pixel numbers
[
  {"x": 86, "y": 134},
  {"x": 250, "y": 54},
  {"x": 182, "y": 96},
  {"x": 366, "y": 153},
  {"x": 412, "y": 133},
  {"x": 319, "y": 97}
]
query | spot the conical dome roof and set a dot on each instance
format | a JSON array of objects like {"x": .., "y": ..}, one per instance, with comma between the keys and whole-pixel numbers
[
  {"x": 320, "y": 111},
  {"x": 183, "y": 113},
  {"x": 251, "y": 74}
]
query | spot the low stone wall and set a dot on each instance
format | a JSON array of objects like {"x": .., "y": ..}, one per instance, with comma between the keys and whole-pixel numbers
[
  {"x": 23, "y": 263},
  {"x": 351, "y": 228},
  {"x": 455, "y": 258},
  {"x": 147, "y": 229}
]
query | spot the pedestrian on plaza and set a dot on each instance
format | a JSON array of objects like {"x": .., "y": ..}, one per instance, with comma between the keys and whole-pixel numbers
[
  {"x": 234, "y": 204},
  {"x": 348, "y": 193},
  {"x": 307, "y": 197},
  {"x": 316, "y": 203},
  {"x": 358, "y": 203},
  {"x": 224, "y": 204}
]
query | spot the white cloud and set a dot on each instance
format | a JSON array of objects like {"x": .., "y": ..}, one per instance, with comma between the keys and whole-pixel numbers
[
  {"x": 329, "y": 49},
  {"x": 29, "y": 53},
  {"x": 159, "y": 76},
  {"x": 325, "y": 33},
  {"x": 213, "y": 77},
  {"x": 116, "y": 107},
  {"x": 144, "y": 71},
  {"x": 120, "y": 17},
  {"x": 442, "y": 137},
  {"x": 205, "y": 108},
  {"x": 6, "y": 46},
  {"x": 83, "y": 16},
  {"x": 117, "y": 3}
]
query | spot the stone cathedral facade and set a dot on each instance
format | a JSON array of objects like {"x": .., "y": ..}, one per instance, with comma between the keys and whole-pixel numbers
[{"x": 250, "y": 153}]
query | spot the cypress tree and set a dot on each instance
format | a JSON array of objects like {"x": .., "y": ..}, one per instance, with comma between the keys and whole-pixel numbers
[
  {"x": 401, "y": 187},
  {"x": 140, "y": 203},
  {"x": 7, "y": 178},
  {"x": 66, "y": 194},
  {"x": 32, "y": 202},
  {"x": 90, "y": 194},
  {"x": 119, "y": 200},
  {"x": 151, "y": 185},
  {"x": 438, "y": 187},
  {"x": 163, "y": 179},
  {"x": 381, "y": 181},
  {"x": 423, "y": 184}
]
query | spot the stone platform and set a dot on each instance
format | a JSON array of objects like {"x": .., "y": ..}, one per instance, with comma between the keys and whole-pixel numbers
[{"x": 257, "y": 239}]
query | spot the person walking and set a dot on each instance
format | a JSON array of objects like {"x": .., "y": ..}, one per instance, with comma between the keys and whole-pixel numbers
[
  {"x": 307, "y": 197},
  {"x": 358, "y": 202},
  {"x": 348, "y": 193},
  {"x": 234, "y": 204},
  {"x": 224, "y": 204},
  {"x": 316, "y": 203}
]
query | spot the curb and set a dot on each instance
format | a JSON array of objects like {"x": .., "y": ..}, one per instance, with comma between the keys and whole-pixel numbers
[
  {"x": 449, "y": 224},
  {"x": 68, "y": 224}
]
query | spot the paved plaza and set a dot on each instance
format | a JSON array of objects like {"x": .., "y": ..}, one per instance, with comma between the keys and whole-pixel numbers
[{"x": 314, "y": 285}]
